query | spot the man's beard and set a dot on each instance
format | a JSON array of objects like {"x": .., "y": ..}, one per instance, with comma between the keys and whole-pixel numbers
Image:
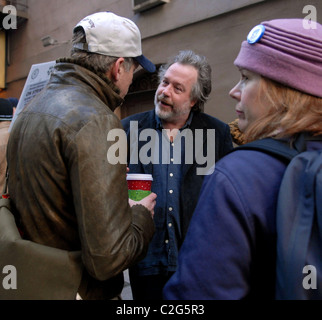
[
  {"x": 162, "y": 114},
  {"x": 174, "y": 113}
]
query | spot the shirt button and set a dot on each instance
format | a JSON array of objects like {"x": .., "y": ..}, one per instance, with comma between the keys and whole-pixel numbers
[
  {"x": 171, "y": 191},
  {"x": 170, "y": 225},
  {"x": 167, "y": 241},
  {"x": 172, "y": 144},
  {"x": 171, "y": 175},
  {"x": 170, "y": 209},
  {"x": 172, "y": 160}
]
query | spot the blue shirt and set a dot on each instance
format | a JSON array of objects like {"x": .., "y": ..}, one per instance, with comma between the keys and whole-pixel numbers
[
  {"x": 163, "y": 250},
  {"x": 162, "y": 253}
]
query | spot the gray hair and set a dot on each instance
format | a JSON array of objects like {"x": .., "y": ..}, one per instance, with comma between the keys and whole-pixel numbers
[
  {"x": 99, "y": 62},
  {"x": 202, "y": 88}
]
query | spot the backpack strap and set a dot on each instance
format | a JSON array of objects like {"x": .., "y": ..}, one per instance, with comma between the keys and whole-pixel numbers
[
  {"x": 278, "y": 148},
  {"x": 299, "y": 226}
]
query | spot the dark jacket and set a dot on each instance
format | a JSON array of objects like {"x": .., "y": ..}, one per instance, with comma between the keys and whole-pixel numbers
[
  {"x": 191, "y": 181},
  {"x": 230, "y": 249},
  {"x": 64, "y": 189}
]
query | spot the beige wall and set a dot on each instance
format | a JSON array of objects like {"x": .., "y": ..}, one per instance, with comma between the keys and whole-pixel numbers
[
  {"x": 219, "y": 39},
  {"x": 214, "y": 28}
]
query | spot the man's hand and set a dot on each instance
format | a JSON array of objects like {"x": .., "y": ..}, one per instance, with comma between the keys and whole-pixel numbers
[{"x": 149, "y": 202}]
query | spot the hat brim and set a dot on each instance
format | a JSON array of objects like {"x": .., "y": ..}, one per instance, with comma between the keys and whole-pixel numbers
[{"x": 145, "y": 63}]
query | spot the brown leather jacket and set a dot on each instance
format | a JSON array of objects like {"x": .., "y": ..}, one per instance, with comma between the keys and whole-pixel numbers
[{"x": 66, "y": 192}]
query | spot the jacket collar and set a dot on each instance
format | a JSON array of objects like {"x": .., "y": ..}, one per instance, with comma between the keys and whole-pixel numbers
[
  {"x": 150, "y": 118},
  {"x": 72, "y": 71},
  {"x": 159, "y": 124}
]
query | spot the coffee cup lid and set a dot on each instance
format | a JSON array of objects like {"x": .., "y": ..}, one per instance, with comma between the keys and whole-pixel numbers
[{"x": 139, "y": 176}]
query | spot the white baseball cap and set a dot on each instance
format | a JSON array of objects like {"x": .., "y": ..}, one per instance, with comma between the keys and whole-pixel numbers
[{"x": 112, "y": 35}]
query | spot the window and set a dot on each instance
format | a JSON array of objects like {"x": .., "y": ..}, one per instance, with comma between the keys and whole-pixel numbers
[{"x": 142, "y": 5}]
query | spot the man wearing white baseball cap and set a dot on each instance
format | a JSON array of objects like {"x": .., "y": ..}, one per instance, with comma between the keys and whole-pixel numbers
[
  {"x": 66, "y": 192},
  {"x": 111, "y": 35}
]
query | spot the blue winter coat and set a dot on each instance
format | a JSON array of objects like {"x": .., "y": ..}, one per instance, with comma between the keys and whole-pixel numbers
[{"x": 230, "y": 248}]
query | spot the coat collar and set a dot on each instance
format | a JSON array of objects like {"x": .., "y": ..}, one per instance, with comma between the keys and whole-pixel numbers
[
  {"x": 83, "y": 73},
  {"x": 149, "y": 118}
]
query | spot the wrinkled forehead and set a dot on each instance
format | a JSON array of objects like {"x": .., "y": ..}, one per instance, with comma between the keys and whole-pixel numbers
[{"x": 181, "y": 73}]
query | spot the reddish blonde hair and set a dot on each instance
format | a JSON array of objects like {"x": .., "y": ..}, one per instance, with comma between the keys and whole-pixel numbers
[{"x": 288, "y": 112}]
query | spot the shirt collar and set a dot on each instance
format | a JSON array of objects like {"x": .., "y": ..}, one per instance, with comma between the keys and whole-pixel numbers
[{"x": 187, "y": 124}]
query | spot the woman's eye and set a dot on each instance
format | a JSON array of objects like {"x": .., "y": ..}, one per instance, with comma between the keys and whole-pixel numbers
[{"x": 244, "y": 77}]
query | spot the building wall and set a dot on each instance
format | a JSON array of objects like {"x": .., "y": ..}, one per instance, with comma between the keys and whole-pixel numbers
[
  {"x": 219, "y": 39},
  {"x": 214, "y": 28}
]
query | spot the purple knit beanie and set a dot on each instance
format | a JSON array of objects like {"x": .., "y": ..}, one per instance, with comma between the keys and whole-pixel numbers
[{"x": 285, "y": 51}]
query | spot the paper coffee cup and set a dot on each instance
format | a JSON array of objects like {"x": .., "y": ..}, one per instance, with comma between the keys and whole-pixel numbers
[{"x": 139, "y": 185}]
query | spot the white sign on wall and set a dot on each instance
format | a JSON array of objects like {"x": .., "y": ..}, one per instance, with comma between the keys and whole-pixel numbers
[{"x": 38, "y": 77}]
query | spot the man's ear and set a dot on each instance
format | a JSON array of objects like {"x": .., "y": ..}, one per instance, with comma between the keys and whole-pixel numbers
[
  {"x": 117, "y": 69},
  {"x": 192, "y": 103}
]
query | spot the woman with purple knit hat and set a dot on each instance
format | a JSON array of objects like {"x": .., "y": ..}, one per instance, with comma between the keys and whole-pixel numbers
[{"x": 230, "y": 248}]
